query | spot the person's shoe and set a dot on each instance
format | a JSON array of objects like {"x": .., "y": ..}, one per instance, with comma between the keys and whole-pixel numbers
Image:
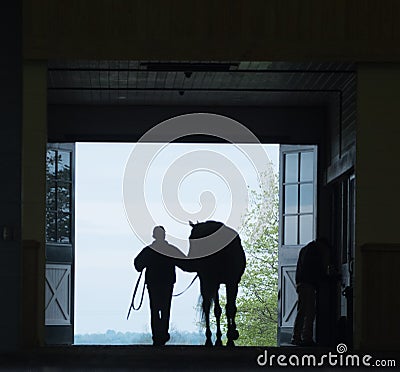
[
  {"x": 158, "y": 341},
  {"x": 161, "y": 341},
  {"x": 296, "y": 341},
  {"x": 166, "y": 338}
]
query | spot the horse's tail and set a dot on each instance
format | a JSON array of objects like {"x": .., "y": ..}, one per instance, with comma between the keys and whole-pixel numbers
[{"x": 200, "y": 310}]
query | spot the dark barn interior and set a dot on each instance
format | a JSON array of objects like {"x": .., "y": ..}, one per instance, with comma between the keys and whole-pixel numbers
[{"x": 294, "y": 73}]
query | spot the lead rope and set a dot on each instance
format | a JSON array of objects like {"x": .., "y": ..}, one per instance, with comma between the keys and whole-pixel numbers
[
  {"x": 134, "y": 295},
  {"x": 180, "y": 293},
  {"x": 144, "y": 285}
]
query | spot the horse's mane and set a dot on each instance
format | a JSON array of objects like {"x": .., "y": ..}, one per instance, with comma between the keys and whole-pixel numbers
[{"x": 203, "y": 229}]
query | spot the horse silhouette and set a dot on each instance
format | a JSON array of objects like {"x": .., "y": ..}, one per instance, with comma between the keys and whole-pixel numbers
[{"x": 217, "y": 255}]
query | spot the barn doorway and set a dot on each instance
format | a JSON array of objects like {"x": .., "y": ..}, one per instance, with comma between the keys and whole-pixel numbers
[
  {"x": 280, "y": 102},
  {"x": 106, "y": 244}
]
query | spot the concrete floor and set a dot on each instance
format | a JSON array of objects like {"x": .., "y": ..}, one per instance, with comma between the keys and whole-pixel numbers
[
  {"x": 142, "y": 358},
  {"x": 128, "y": 358},
  {"x": 145, "y": 358}
]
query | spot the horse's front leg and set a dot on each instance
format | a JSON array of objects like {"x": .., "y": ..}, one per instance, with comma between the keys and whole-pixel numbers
[
  {"x": 231, "y": 294},
  {"x": 217, "y": 313},
  {"x": 206, "y": 311}
]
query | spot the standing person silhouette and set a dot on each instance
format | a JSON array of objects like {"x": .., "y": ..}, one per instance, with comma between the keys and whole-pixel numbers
[
  {"x": 311, "y": 271},
  {"x": 159, "y": 261}
]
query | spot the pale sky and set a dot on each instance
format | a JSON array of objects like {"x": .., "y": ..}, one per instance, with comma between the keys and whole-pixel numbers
[{"x": 106, "y": 244}]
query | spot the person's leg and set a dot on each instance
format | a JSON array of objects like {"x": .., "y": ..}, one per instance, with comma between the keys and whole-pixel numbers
[
  {"x": 299, "y": 320},
  {"x": 165, "y": 312},
  {"x": 309, "y": 315},
  {"x": 154, "y": 298}
]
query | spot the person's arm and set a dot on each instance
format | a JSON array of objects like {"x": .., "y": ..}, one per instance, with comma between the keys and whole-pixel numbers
[
  {"x": 179, "y": 259},
  {"x": 185, "y": 264},
  {"x": 140, "y": 261},
  {"x": 299, "y": 267}
]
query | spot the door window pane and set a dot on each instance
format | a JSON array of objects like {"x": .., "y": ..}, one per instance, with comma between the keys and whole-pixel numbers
[
  {"x": 291, "y": 198},
  {"x": 306, "y": 229},
  {"x": 64, "y": 165},
  {"x": 290, "y": 230},
  {"x": 51, "y": 196},
  {"x": 64, "y": 197},
  {"x": 291, "y": 167},
  {"x": 51, "y": 226},
  {"x": 64, "y": 228},
  {"x": 51, "y": 164},
  {"x": 306, "y": 198},
  {"x": 306, "y": 166}
]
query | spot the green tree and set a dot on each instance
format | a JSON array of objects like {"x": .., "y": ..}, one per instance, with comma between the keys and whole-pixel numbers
[{"x": 258, "y": 292}]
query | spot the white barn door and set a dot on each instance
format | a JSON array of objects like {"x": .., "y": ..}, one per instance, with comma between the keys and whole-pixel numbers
[
  {"x": 59, "y": 282},
  {"x": 297, "y": 225}
]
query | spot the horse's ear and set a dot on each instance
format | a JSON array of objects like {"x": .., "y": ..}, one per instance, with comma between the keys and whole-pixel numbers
[{"x": 191, "y": 223}]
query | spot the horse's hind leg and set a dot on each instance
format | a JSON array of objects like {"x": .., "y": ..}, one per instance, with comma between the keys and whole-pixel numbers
[
  {"x": 217, "y": 313},
  {"x": 231, "y": 294}
]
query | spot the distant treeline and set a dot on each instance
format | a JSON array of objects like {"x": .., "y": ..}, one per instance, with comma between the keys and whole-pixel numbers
[{"x": 112, "y": 337}]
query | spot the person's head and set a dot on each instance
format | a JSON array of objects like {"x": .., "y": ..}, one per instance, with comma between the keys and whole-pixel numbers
[{"x": 159, "y": 233}]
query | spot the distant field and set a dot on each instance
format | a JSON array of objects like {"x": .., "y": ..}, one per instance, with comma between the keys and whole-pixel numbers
[{"x": 134, "y": 338}]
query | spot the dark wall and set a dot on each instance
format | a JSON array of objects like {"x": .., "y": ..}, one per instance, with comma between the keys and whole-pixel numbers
[
  {"x": 343, "y": 122},
  {"x": 334, "y": 30},
  {"x": 289, "y": 125},
  {"x": 10, "y": 169},
  {"x": 341, "y": 118},
  {"x": 338, "y": 160}
]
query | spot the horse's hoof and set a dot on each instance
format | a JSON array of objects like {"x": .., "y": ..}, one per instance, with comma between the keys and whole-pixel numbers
[
  {"x": 218, "y": 343},
  {"x": 233, "y": 334},
  {"x": 230, "y": 343},
  {"x": 208, "y": 343}
]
